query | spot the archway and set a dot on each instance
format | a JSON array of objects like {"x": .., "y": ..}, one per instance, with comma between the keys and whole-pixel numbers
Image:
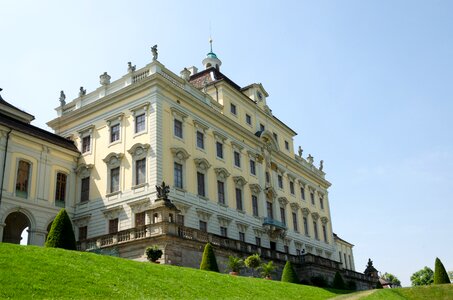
[{"x": 15, "y": 224}]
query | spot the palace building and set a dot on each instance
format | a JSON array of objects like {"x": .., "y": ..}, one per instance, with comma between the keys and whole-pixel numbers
[{"x": 235, "y": 180}]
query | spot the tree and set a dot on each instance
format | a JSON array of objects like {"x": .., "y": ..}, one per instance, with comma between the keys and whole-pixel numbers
[
  {"x": 253, "y": 262},
  {"x": 288, "y": 274},
  {"x": 208, "y": 261},
  {"x": 267, "y": 269},
  {"x": 440, "y": 274},
  {"x": 153, "y": 253},
  {"x": 61, "y": 234},
  {"x": 235, "y": 264},
  {"x": 338, "y": 282},
  {"x": 424, "y": 276},
  {"x": 392, "y": 279}
]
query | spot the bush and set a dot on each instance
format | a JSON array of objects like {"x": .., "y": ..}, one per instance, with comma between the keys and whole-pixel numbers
[
  {"x": 379, "y": 285},
  {"x": 253, "y": 262},
  {"x": 318, "y": 281},
  {"x": 235, "y": 264},
  {"x": 208, "y": 262},
  {"x": 440, "y": 274},
  {"x": 153, "y": 253},
  {"x": 288, "y": 274},
  {"x": 351, "y": 285},
  {"x": 338, "y": 282},
  {"x": 267, "y": 269},
  {"x": 61, "y": 234}
]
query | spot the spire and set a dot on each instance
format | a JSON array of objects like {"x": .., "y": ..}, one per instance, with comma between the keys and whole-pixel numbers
[{"x": 211, "y": 59}]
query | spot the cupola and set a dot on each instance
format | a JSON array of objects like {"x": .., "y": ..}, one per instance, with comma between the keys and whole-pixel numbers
[{"x": 211, "y": 59}]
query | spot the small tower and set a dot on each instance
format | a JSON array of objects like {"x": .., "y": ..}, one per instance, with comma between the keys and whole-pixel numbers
[{"x": 211, "y": 59}]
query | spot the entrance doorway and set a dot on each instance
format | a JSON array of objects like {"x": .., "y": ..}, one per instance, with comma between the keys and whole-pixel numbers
[{"x": 16, "y": 229}]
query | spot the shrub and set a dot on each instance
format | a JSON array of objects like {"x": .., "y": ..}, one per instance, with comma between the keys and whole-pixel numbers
[
  {"x": 338, "y": 282},
  {"x": 153, "y": 253},
  {"x": 235, "y": 264},
  {"x": 208, "y": 262},
  {"x": 351, "y": 285},
  {"x": 253, "y": 262},
  {"x": 318, "y": 281},
  {"x": 288, "y": 274},
  {"x": 61, "y": 234},
  {"x": 440, "y": 274},
  {"x": 379, "y": 285},
  {"x": 267, "y": 269}
]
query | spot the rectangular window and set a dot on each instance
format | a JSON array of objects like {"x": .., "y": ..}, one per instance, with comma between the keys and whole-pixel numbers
[
  {"x": 221, "y": 191},
  {"x": 255, "y": 205},
  {"x": 113, "y": 225},
  {"x": 286, "y": 249},
  {"x": 295, "y": 222},
  {"x": 239, "y": 199},
  {"x": 223, "y": 231},
  {"x": 345, "y": 262},
  {"x": 298, "y": 252},
  {"x": 233, "y": 109},
  {"x": 139, "y": 219},
  {"x": 280, "y": 181},
  {"x": 200, "y": 184},
  {"x": 270, "y": 212},
  {"x": 60, "y": 191},
  {"x": 324, "y": 233},
  {"x": 180, "y": 219},
  {"x": 258, "y": 241},
  {"x": 275, "y": 137},
  {"x": 315, "y": 229},
  {"x": 114, "y": 133},
  {"x": 83, "y": 233},
  {"x": 252, "y": 167},
  {"x": 86, "y": 144},
  {"x": 203, "y": 226},
  {"x": 248, "y": 119},
  {"x": 286, "y": 145},
  {"x": 339, "y": 253},
  {"x": 242, "y": 236},
  {"x": 140, "y": 123},
  {"x": 350, "y": 261},
  {"x": 291, "y": 187},
  {"x": 178, "y": 175},
  {"x": 237, "y": 159},
  {"x": 306, "y": 226},
  {"x": 312, "y": 197},
  {"x": 85, "y": 189},
  {"x": 302, "y": 193},
  {"x": 115, "y": 179},
  {"x": 200, "y": 140},
  {"x": 283, "y": 215},
  {"x": 140, "y": 171},
  {"x": 321, "y": 202},
  {"x": 268, "y": 177},
  {"x": 219, "y": 149},
  {"x": 178, "y": 128},
  {"x": 262, "y": 128}
]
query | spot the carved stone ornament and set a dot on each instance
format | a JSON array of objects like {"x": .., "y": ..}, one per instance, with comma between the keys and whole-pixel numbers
[
  {"x": 162, "y": 191},
  {"x": 255, "y": 188},
  {"x": 239, "y": 181},
  {"x": 315, "y": 216},
  {"x": 258, "y": 231},
  {"x": 283, "y": 201},
  {"x": 82, "y": 220},
  {"x": 223, "y": 221},
  {"x": 305, "y": 212},
  {"x": 202, "y": 164},
  {"x": 140, "y": 205},
  {"x": 294, "y": 206},
  {"x": 113, "y": 212},
  {"x": 180, "y": 154},
  {"x": 271, "y": 194},
  {"x": 324, "y": 220},
  {"x": 82, "y": 92},
  {"x": 203, "y": 214},
  {"x": 185, "y": 74},
  {"x": 104, "y": 79},
  {"x": 242, "y": 227},
  {"x": 221, "y": 173},
  {"x": 113, "y": 159},
  {"x": 84, "y": 170},
  {"x": 138, "y": 150},
  {"x": 130, "y": 68}
]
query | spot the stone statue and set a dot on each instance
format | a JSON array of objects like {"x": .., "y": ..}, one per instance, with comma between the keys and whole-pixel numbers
[
  {"x": 185, "y": 74},
  {"x": 321, "y": 165},
  {"x": 310, "y": 159},
  {"x": 62, "y": 99},
  {"x": 162, "y": 191},
  {"x": 300, "y": 151},
  {"x": 82, "y": 91},
  {"x": 104, "y": 79},
  {"x": 154, "y": 52},
  {"x": 130, "y": 67}
]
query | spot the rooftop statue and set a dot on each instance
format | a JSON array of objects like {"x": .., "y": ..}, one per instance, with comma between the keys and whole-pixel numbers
[
  {"x": 154, "y": 52},
  {"x": 162, "y": 191},
  {"x": 62, "y": 98},
  {"x": 310, "y": 159},
  {"x": 321, "y": 165},
  {"x": 82, "y": 91},
  {"x": 300, "y": 151},
  {"x": 130, "y": 67}
]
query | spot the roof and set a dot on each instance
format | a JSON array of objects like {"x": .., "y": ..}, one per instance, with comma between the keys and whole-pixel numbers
[
  {"x": 20, "y": 111},
  {"x": 340, "y": 239},
  {"x": 36, "y": 132}
]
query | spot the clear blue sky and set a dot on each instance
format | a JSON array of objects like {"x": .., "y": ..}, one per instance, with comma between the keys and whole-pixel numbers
[{"x": 366, "y": 84}]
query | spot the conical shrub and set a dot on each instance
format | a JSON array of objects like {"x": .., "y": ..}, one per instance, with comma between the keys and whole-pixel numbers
[
  {"x": 61, "y": 234},
  {"x": 289, "y": 275},
  {"x": 338, "y": 282},
  {"x": 208, "y": 262},
  {"x": 440, "y": 274}
]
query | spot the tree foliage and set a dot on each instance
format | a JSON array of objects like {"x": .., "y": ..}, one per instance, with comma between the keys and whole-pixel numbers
[
  {"x": 338, "y": 282},
  {"x": 440, "y": 274},
  {"x": 392, "y": 279},
  {"x": 61, "y": 234},
  {"x": 288, "y": 274},
  {"x": 235, "y": 264},
  {"x": 253, "y": 261},
  {"x": 208, "y": 261},
  {"x": 153, "y": 253},
  {"x": 267, "y": 269},
  {"x": 424, "y": 276}
]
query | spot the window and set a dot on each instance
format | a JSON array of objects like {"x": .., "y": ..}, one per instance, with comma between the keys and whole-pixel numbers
[
  {"x": 200, "y": 184},
  {"x": 239, "y": 199},
  {"x": 298, "y": 252},
  {"x": 221, "y": 191},
  {"x": 306, "y": 226},
  {"x": 85, "y": 189},
  {"x": 283, "y": 215},
  {"x": 242, "y": 236},
  {"x": 140, "y": 171},
  {"x": 252, "y": 167},
  {"x": 113, "y": 226},
  {"x": 140, "y": 121},
  {"x": 302, "y": 193},
  {"x": 339, "y": 253},
  {"x": 280, "y": 181},
  {"x": 233, "y": 109},
  {"x": 255, "y": 205},
  {"x": 345, "y": 262},
  {"x": 114, "y": 133},
  {"x": 60, "y": 190},
  {"x": 324, "y": 233},
  {"x": 178, "y": 128},
  {"x": 291, "y": 187},
  {"x": 86, "y": 144},
  {"x": 139, "y": 219},
  {"x": 270, "y": 213},
  {"x": 268, "y": 177},
  {"x": 200, "y": 140},
  {"x": 223, "y": 231},
  {"x": 286, "y": 145},
  {"x": 219, "y": 149},
  {"x": 258, "y": 241},
  {"x": 286, "y": 249},
  {"x": 321, "y": 202},
  {"x": 312, "y": 197},
  {"x": 295, "y": 222},
  {"x": 315, "y": 229},
  {"x": 23, "y": 176},
  {"x": 178, "y": 175},
  {"x": 83, "y": 233},
  {"x": 262, "y": 128},
  {"x": 180, "y": 219},
  {"x": 203, "y": 226},
  {"x": 248, "y": 119},
  {"x": 237, "y": 159},
  {"x": 350, "y": 261},
  {"x": 275, "y": 137},
  {"x": 114, "y": 180}
]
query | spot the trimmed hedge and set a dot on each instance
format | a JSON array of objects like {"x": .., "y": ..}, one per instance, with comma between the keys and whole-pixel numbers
[
  {"x": 208, "y": 262},
  {"x": 440, "y": 274},
  {"x": 61, "y": 234},
  {"x": 338, "y": 282},
  {"x": 288, "y": 274}
]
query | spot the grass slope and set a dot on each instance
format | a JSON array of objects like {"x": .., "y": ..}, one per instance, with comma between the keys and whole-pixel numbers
[
  {"x": 437, "y": 292},
  {"x": 35, "y": 272}
]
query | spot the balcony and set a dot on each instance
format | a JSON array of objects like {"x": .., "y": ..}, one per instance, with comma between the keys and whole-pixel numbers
[
  {"x": 273, "y": 222},
  {"x": 274, "y": 228}
]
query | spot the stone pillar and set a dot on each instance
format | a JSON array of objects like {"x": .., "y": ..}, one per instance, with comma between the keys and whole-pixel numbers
[
  {"x": 2, "y": 226},
  {"x": 37, "y": 237}
]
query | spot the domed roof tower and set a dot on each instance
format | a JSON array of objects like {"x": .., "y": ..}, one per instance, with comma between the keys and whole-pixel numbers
[{"x": 211, "y": 59}]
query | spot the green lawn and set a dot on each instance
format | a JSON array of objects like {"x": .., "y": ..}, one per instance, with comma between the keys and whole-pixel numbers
[
  {"x": 33, "y": 272},
  {"x": 432, "y": 292}
]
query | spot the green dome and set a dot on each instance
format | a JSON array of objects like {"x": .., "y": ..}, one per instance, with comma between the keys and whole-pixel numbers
[{"x": 211, "y": 55}]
